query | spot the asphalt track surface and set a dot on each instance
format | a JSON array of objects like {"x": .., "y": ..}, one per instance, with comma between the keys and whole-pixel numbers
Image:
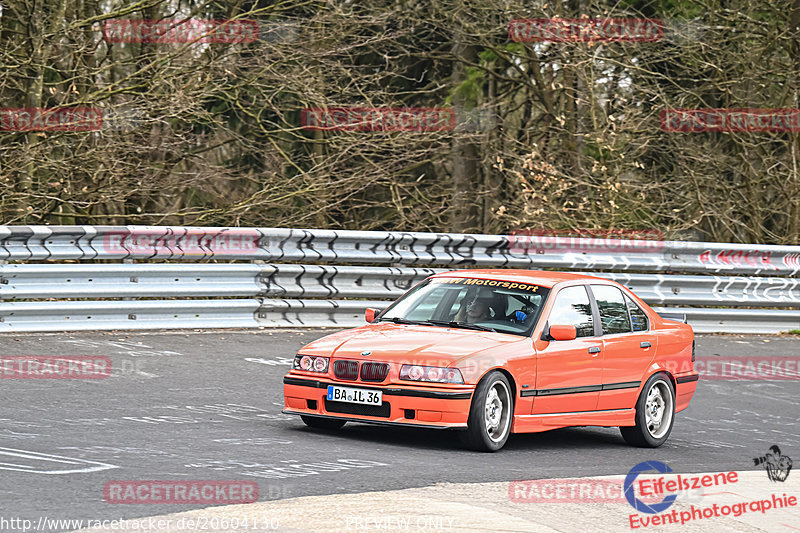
[{"x": 207, "y": 405}]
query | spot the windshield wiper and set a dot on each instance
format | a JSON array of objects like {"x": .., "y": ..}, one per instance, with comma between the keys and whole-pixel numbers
[
  {"x": 463, "y": 325},
  {"x": 452, "y": 323},
  {"x": 400, "y": 320}
]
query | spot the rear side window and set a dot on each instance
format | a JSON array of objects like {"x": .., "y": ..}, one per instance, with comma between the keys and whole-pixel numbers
[
  {"x": 613, "y": 311},
  {"x": 572, "y": 308},
  {"x": 638, "y": 317}
]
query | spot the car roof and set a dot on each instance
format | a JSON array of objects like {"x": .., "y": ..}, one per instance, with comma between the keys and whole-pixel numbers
[{"x": 537, "y": 277}]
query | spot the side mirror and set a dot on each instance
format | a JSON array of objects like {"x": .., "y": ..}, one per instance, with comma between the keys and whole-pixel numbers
[
  {"x": 371, "y": 313},
  {"x": 563, "y": 333}
]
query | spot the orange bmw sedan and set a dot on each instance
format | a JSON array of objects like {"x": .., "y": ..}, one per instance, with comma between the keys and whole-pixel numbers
[{"x": 494, "y": 352}]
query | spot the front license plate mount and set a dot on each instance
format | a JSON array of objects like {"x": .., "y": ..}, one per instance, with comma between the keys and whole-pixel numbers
[{"x": 353, "y": 395}]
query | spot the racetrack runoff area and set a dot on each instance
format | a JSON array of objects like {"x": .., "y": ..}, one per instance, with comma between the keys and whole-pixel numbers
[{"x": 482, "y": 507}]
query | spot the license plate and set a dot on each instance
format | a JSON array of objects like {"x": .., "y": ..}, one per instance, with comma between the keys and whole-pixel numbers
[{"x": 346, "y": 394}]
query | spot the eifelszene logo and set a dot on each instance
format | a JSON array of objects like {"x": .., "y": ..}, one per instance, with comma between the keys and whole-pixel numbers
[{"x": 630, "y": 493}]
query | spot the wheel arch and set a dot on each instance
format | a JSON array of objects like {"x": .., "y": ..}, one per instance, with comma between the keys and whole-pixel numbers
[
  {"x": 507, "y": 373},
  {"x": 657, "y": 369}
]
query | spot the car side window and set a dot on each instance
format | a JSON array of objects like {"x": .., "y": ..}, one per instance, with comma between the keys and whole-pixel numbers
[
  {"x": 613, "y": 311},
  {"x": 638, "y": 317},
  {"x": 572, "y": 308}
]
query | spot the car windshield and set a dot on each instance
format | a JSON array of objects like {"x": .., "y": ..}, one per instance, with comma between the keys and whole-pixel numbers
[{"x": 471, "y": 303}]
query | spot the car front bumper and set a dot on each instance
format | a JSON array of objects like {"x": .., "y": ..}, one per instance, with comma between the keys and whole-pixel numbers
[{"x": 406, "y": 406}]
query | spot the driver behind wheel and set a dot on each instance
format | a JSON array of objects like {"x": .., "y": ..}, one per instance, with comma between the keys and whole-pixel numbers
[{"x": 476, "y": 310}]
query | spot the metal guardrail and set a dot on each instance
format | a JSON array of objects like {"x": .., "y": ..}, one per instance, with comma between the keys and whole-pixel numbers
[
  {"x": 285, "y": 294},
  {"x": 251, "y": 313},
  {"x": 140, "y": 314},
  {"x": 25, "y": 281},
  {"x": 344, "y": 313},
  {"x": 349, "y": 313},
  {"x": 18, "y": 282},
  {"x": 317, "y": 281},
  {"x": 733, "y": 291},
  {"x": 44, "y": 243}
]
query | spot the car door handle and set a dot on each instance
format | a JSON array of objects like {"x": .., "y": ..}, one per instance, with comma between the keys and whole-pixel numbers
[
  {"x": 594, "y": 349},
  {"x": 644, "y": 344}
]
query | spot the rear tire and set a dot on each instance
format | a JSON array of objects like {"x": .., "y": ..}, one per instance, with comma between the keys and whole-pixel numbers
[
  {"x": 317, "y": 422},
  {"x": 490, "y": 415},
  {"x": 655, "y": 414}
]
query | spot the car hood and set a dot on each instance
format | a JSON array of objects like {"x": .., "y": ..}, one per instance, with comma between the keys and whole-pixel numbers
[{"x": 425, "y": 345}]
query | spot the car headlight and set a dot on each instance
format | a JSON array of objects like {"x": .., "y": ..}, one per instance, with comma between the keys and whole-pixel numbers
[
  {"x": 433, "y": 374},
  {"x": 310, "y": 363}
]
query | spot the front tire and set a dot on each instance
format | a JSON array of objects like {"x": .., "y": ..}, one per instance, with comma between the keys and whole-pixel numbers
[
  {"x": 655, "y": 414},
  {"x": 490, "y": 414},
  {"x": 317, "y": 422}
]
